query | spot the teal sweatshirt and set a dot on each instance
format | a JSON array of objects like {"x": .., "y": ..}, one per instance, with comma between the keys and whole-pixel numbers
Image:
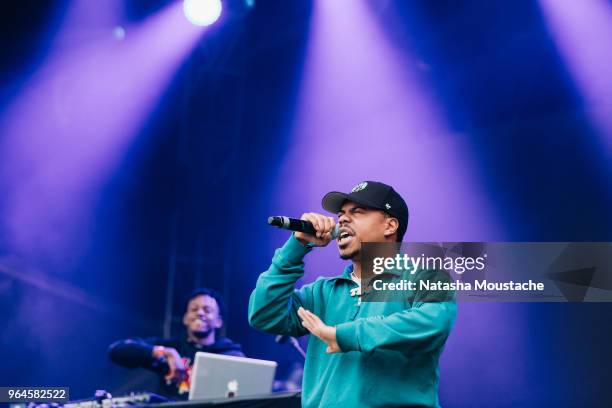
[{"x": 390, "y": 350}]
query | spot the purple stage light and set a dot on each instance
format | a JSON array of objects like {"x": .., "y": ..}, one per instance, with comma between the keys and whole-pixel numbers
[
  {"x": 582, "y": 31},
  {"x": 202, "y": 12},
  {"x": 70, "y": 127},
  {"x": 365, "y": 112}
]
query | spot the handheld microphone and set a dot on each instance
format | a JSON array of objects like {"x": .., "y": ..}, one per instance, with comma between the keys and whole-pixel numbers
[{"x": 294, "y": 224}]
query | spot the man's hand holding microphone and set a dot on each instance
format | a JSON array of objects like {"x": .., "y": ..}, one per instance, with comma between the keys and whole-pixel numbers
[{"x": 324, "y": 230}]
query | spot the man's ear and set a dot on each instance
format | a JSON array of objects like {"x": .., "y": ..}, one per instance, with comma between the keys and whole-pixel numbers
[
  {"x": 392, "y": 226},
  {"x": 218, "y": 322},
  {"x": 185, "y": 319}
]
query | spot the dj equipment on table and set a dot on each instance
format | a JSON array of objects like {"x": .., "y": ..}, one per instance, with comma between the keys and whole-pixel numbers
[{"x": 103, "y": 399}]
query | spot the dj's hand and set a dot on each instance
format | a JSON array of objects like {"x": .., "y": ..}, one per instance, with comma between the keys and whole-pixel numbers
[
  {"x": 176, "y": 366},
  {"x": 322, "y": 224}
]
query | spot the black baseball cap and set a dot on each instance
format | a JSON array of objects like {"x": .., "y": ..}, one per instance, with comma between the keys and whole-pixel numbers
[{"x": 372, "y": 194}]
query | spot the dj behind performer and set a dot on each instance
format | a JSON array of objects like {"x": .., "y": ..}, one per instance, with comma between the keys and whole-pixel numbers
[
  {"x": 172, "y": 359},
  {"x": 361, "y": 354}
]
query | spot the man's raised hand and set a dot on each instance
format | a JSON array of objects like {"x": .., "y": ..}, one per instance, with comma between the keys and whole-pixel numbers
[{"x": 315, "y": 325}]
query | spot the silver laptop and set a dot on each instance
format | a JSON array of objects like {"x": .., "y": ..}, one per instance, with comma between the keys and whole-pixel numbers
[{"x": 219, "y": 376}]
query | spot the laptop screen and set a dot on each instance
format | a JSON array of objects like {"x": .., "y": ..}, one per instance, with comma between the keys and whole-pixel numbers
[{"x": 220, "y": 376}]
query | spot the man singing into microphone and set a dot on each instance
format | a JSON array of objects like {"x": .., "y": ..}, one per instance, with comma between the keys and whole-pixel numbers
[{"x": 362, "y": 354}]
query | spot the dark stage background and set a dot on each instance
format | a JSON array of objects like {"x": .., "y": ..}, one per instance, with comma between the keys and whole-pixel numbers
[{"x": 140, "y": 158}]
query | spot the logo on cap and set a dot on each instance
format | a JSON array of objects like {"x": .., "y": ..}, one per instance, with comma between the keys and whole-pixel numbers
[{"x": 359, "y": 187}]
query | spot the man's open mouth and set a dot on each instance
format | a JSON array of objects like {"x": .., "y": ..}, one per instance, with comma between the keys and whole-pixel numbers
[{"x": 345, "y": 236}]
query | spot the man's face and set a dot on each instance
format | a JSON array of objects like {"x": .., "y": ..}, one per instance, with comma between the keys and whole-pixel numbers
[
  {"x": 359, "y": 224},
  {"x": 202, "y": 316}
]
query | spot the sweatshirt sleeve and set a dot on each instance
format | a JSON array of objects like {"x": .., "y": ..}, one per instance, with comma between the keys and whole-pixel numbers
[
  {"x": 274, "y": 301},
  {"x": 422, "y": 327},
  {"x": 132, "y": 353}
]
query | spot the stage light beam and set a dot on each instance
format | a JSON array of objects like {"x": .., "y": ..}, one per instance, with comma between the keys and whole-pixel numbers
[
  {"x": 580, "y": 30},
  {"x": 58, "y": 149},
  {"x": 202, "y": 12}
]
